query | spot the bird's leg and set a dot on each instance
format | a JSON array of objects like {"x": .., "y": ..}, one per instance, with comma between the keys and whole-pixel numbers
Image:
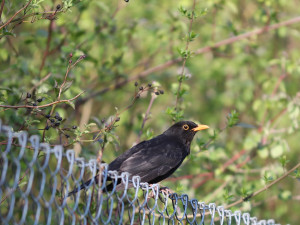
[{"x": 166, "y": 190}]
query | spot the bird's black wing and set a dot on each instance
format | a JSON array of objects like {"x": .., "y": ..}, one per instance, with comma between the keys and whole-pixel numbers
[
  {"x": 152, "y": 160},
  {"x": 116, "y": 164},
  {"x": 155, "y": 160}
]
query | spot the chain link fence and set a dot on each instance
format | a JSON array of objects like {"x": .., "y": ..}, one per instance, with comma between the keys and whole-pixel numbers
[{"x": 36, "y": 179}]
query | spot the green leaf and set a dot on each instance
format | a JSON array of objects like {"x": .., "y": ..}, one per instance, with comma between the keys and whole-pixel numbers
[
  {"x": 6, "y": 33},
  {"x": 182, "y": 10},
  {"x": 70, "y": 103},
  {"x": 203, "y": 12},
  {"x": 6, "y": 89},
  {"x": 268, "y": 177},
  {"x": 293, "y": 110},
  {"x": 227, "y": 197},
  {"x": 297, "y": 173},
  {"x": 149, "y": 133},
  {"x": 283, "y": 160},
  {"x": 263, "y": 152},
  {"x": 192, "y": 35},
  {"x": 285, "y": 195},
  {"x": 232, "y": 118},
  {"x": 276, "y": 151}
]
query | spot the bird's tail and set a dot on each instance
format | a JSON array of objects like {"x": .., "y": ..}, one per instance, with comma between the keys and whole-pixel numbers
[{"x": 85, "y": 185}]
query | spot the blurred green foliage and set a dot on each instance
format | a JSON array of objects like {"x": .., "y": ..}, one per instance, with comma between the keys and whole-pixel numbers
[{"x": 247, "y": 91}]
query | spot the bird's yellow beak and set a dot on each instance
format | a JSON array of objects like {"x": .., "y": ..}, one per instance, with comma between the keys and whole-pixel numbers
[{"x": 200, "y": 127}]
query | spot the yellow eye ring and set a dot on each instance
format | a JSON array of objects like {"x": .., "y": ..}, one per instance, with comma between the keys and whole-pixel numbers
[{"x": 185, "y": 127}]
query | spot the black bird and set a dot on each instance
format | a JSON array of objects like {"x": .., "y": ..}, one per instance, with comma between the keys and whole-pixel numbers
[{"x": 156, "y": 159}]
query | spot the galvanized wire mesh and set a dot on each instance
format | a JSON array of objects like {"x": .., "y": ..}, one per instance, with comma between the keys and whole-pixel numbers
[{"x": 36, "y": 178}]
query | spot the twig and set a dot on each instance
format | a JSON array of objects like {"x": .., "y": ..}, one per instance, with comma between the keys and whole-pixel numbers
[
  {"x": 37, "y": 13},
  {"x": 41, "y": 106},
  {"x": 1, "y": 9},
  {"x": 212, "y": 139},
  {"x": 275, "y": 89},
  {"x": 185, "y": 57},
  {"x": 264, "y": 188},
  {"x": 282, "y": 112},
  {"x": 206, "y": 49},
  {"x": 153, "y": 97},
  {"x": 280, "y": 79},
  {"x": 20, "y": 10},
  {"x": 111, "y": 124},
  {"x": 10, "y": 191},
  {"x": 40, "y": 82},
  {"x": 66, "y": 75},
  {"x": 63, "y": 84},
  {"x": 50, "y": 28},
  {"x": 173, "y": 179},
  {"x": 211, "y": 196},
  {"x": 247, "y": 35},
  {"x": 255, "y": 193},
  {"x": 12, "y": 46}
]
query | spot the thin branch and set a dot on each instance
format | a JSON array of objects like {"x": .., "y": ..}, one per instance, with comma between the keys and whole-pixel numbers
[
  {"x": 1, "y": 9},
  {"x": 65, "y": 80},
  {"x": 206, "y": 49},
  {"x": 20, "y": 10},
  {"x": 213, "y": 139},
  {"x": 10, "y": 191},
  {"x": 275, "y": 89},
  {"x": 255, "y": 193},
  {"x": 66, "y": 75},
  {"x": 153, "y": 97},
  {"x": 12, "y": 46},
  {"x": 35, "y": 14},
  {"x": 40, "y": 82},
  {"x": 49, "y": 37},
  {"x": 264, "y": 188},
  {"x": 186, "y": 56},
  {"x": 41, "y": 106},
  {"x": 116, "y": 117},
  {"x": 222, "y": 169}
]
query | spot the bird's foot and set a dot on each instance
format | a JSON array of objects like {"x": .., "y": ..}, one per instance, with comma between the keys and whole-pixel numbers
[
  {"x": 167, "y": 191},
  {"x": 151, "y": 194}
]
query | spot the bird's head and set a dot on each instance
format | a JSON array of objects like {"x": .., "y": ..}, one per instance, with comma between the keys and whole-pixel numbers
[{"x": 185, "y": 131}]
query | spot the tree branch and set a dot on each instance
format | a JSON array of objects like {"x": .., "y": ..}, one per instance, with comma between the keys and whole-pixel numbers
[
  {"x": 1, "y": 9},
  {"x": 186, "y": 56},
  {"x": 153, "y": 97},
  {"x": 206, "y": 49},
  {"x": 40, "y": 106},
  {"x": 20, "y": 10},
  {"x": 264, "y": 188}
]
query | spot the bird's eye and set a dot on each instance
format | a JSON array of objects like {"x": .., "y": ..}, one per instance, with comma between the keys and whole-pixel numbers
[{"x": 185, "y": 127}]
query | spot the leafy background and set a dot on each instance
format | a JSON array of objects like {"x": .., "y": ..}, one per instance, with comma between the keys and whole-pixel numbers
[{"x": 246, "y": 90}]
